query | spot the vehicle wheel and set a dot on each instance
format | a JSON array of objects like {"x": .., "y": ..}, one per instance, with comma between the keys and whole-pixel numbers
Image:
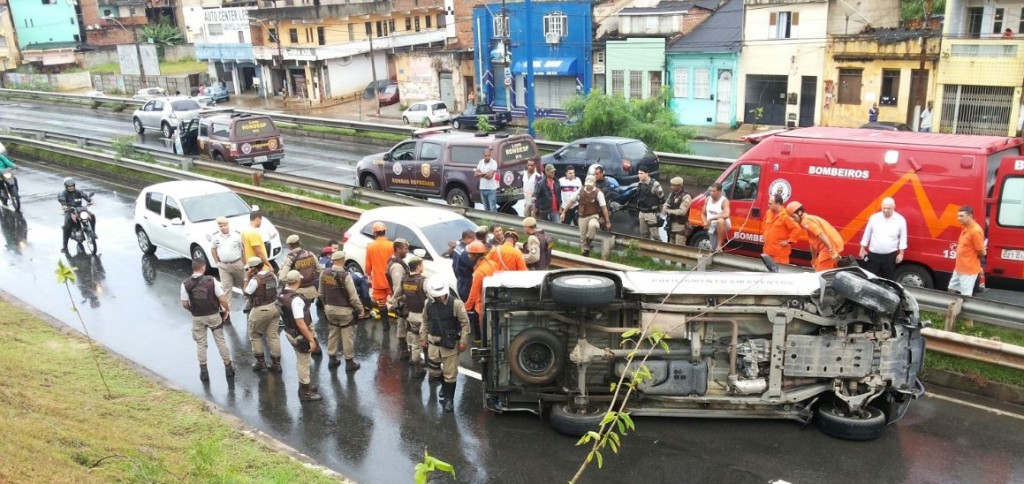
[
  {"x": 913, "y": 275},
  {"x": 405, "y": 120},
  {"x": 353, "y": 267},
  {"x": 537, "y": 356},
  {"x": 582, "y": 290},
  {"x": 149, "y": 269},
  {"x": 865, "y": 293},
  {"x": 90, "y": 242},
  {"x": 167, "y": 130},
  {"x": 370, "y": 182},
  {"x": 272, "y": 166},
  {"x": 197, "y": 253},
  {"x": 457, "y": 197},
  {"x": 426, "y": 122},
  {"x": 833, "y": 421},
  {"x": 509, "y": 208},
  {"x": 701, "y": 240},
  {"x": 217, "y": 156},
  {"x": 575, "y": 421},
  {"x": 138, "y": 126},
  {"x": 456, "y": 124},
  {"x": 145, "y": 245}
]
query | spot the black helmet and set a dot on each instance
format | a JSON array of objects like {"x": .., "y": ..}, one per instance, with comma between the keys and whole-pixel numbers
[{"x": 69, "y": 182}]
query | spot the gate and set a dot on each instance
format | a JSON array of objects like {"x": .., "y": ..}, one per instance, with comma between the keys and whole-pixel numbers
[
  {"x": 769, "y": 93},
  {"x": 981, "y": 110},
  {"x": 447, "y": 91}
]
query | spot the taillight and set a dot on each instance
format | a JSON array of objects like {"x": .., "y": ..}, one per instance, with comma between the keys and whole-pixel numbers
[
  {"x": 626, "y": 165},
  {"x": 234, "y": 149}
]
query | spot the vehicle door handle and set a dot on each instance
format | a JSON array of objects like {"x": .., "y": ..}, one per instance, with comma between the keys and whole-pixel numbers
[{"x": 436, "y": 169}]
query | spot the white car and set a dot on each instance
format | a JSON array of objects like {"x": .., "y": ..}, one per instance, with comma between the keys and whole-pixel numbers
[
  {"x": 426, "y": 113},
  {"x": 164, "y": 114},
  {"x": 427, "y": 229},
  {"x": 181, "y": 217},
  {"x": 149, "y": 93}
]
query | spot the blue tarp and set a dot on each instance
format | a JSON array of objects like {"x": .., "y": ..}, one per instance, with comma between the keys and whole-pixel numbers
[{"x": 547, "y": 66}]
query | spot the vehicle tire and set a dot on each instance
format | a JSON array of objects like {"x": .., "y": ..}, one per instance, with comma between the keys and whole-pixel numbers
[
  {"x": 913, "y": 275},
  {"x": 271, "y": 166},
  {"x": 509, "y": 208},
  {"x": 456, "y": 124},
  {"x": 218, "y": 157},
  {"x": 457, "y": 197},
  {"x": 582, "y": 290},
  {"x": 166, "y": 130},
  {"x": 405, "y": 119},
  {"x": 833, "y": 421},
  {"x": 196, "y": 252},
  {"x": 370, "y": 182},
  {"x": 149, "y": 269},
  {"x": 701, "y": 240},
  {"x": 354, "y": 267},
  {"x": 90, "y": 242},
  {"x": 426, "y": 123},
  {"x": 865, "y": 293},
  {"x": 139, "y": 129},
  {"x": 575, "y": 422},
  {"x": 145, "y": 245},
  {"x": 537, "y": 356}
]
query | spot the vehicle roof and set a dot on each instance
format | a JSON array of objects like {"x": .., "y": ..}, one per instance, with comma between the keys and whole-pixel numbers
[
  {"x": 172, "y": 98},
  {"x": 462, "y": 136},
  {"x": 228, "y": 114},
  {"x": 422, "y": 216},
  {"x": 608, "y": 139},
  {"x": 429, "y": 101},
  {"x": 187, "y": 188},
  {"x": 989, "y": 144}
]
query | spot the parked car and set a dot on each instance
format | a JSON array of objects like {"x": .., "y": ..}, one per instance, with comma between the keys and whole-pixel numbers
[
  {"x": 426, "y": 113},
  {"x": 468, "y": 118},
  {"x": 427, "y": 229},
  {"x": 218, "y": 91},
  {"x": 181, "y": 217},
  {"x": 840, "y": 347},
  {"x": 436, "y": 163},
  {"x": 164, "y": 114},
  {"x": 381, "y": 85},
  {"x": 246, "y": 139},
  {"x": 388, "y": 96},
  {"x": 621, "y": 158},
  {"x": 150, "y": 93},
  {"x": 888, "y": 126}
]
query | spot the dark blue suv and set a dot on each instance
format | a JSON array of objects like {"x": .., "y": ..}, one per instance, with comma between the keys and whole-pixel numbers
[{"x": 620, "y": 157}]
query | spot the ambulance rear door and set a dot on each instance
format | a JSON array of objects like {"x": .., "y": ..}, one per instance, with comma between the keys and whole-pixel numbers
[{"x": 1006, "y": 222}]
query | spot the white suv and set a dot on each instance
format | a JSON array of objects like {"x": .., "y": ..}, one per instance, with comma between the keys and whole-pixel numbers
[
  {"x": 181, "y": 217},
  {"x": 164, "y": 114},
  {"x": 426, "y": 113}
]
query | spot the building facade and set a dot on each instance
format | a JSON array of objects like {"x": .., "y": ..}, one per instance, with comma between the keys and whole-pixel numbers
[
  {"x": 703, "y": 68},
  {"x": 48, "y": 32},
  {"x": 635, "y": 67},
  {"x": 10, "y": 56},
  {"x": 225, "y": 42},
  {"x": 112, "y": 22}
]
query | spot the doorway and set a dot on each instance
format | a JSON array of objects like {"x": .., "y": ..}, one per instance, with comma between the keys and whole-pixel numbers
[
  {"x": 918, "y": 92},
  {"x": 723, "y": 99},
  {"x": 808, "y": 100}
]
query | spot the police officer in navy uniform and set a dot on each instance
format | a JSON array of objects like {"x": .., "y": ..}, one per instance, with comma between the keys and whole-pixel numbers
[
  {"x": 295, "y": 316},
  {"x": 307, "y": 264},
  {"x": 203, "y": 297},
  {"x": 445, "y": 334}
]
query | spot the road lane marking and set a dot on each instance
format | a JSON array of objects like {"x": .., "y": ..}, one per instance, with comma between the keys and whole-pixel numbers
[{"x": 996, "y": 411}]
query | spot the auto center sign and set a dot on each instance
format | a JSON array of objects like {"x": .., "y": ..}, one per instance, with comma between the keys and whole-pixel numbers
[{"x": 228, "y": 18}]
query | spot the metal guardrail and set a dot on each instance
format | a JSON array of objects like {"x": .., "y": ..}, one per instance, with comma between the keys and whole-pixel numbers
[
  {"x": 693, "y": 161},
  {"x": 943, "y": 341}
]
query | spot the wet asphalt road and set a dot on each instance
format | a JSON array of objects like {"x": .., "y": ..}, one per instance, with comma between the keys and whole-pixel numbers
[{"x": 374, "y": 424}]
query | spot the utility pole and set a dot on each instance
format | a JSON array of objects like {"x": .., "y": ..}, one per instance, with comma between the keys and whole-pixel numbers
[
  {"x": 527, "y": 12},
  {"x": 138, "y": 52},
  {"x": 373, "y": 70},
  {"x": 922, "y": 85},
  {"x": 507, "y": 59}
]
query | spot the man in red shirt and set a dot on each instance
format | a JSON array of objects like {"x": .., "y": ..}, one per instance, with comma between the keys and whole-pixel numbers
[
  {"x": 378, "y": 253},
  {"x": 547, "y": 197},
  {"x": 969, "y": 251}
]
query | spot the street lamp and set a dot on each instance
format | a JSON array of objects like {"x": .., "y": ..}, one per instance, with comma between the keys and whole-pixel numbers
[{"x": 138, "y": 48}]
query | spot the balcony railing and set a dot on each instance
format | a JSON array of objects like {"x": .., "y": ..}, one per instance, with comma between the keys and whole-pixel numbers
[{"x": 349, "y": 48}]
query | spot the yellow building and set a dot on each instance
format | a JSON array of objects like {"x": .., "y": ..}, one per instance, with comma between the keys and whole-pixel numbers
[
  {"x": 10, "y": 57},
  {"x": 883, "y": 68}
]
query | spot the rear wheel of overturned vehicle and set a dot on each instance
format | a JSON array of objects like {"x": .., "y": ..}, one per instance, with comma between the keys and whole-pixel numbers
[
  {"x": 835, "y": 421},
  {"x": 582, "y": 290},
  {"x": 537, "y": 356},
  {"x": 865, "y": 293},
  {"x": 570, "y": 419}
]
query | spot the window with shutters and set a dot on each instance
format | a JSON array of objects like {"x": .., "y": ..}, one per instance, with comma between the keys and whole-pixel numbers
[
  {"x": 702, "y": 83},
  {"x": 636, "y": 84},
  {"x": 427, "y": 19},
  {"x": 618, "y": 83},
  {"x": 272, "y": 35},
  {"x": 293, "y": 36},
  {"x": 782, "y": 25},
  {"x": 681, "y": 82},
  {"x": 850, "y": 85},
  {"x": 556, "y": 23},
  {"x": 321, "y": 36},
  {"x": 654, "y": 81}
]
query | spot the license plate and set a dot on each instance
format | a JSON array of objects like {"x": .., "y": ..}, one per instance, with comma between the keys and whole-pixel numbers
[
  {"x": 260, "y": 159},
  {"x": 1017, "y": 255}
]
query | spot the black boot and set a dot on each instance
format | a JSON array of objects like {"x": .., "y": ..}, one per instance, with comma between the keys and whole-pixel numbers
[
  {"x": 403, "y": 350},
  {"x": 307, "y": 394},
  {"x": 449, "y": 397},
  {"x": 418, "y": 371},
  {"x": 229, "y": 370},
  {"x": 260, "y": 363},
  {"x": 275, "y": 364},
  {"x": 204, "y": 375},
  {"x": 334, "y": 363},
  {"x": 351, "y": 365}
]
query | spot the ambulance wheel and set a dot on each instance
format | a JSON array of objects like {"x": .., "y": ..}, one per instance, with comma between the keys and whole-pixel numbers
[
  {"x": 913, "y": 275},
  {"x": 866, "y": 293}
]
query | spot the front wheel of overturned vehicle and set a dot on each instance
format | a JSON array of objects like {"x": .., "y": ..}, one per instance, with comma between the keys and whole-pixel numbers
[
  {"x": 582, "y": 290},
  {"x": 570, "y": 419},
  {"x": 537, "y": 356},
  {"x": 865, "y": 293},
  {"x": 836, "y": 422}
]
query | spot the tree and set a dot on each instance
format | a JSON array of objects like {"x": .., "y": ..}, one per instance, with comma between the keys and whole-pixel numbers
[
  {"x": 161, "y": 34},
  {"x": 598, "y": 114},
  {"x": 914, "y": 9}
]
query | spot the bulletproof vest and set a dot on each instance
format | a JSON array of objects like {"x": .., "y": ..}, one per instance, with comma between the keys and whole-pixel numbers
[
  {"x": 588, "y": 203},
  {"x": 647, "y": 200},
  {"x": 305, "y": 262},
  {"x": 332, "y": 285},
  {"x": 285, "y": 299},
  {"x": 545, "y": 251},
  {"x": 674, "y": 202},
  {"x": 391, "y": 264},
  {"x": 442, "y": 317},
  {"x": 202, "y": 295},
  {"x": 412, "y": 288},
  {"x": 266, "y": 289}
]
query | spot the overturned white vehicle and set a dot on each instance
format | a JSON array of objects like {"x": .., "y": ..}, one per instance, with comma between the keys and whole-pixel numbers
[{"x": 841, "y": 346}]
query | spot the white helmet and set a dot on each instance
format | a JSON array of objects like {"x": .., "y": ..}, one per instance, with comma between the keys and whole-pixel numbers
[{"x": 437, "y": 289}]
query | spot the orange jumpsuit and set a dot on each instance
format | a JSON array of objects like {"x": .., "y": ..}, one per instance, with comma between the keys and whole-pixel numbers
[
  {"x": 485, "y": 267},
  {"x": 777, "y": 228},
  {"x": 378, "y": 253},
  {"x": 507, "y": 258},
  {"x": 816, "y": 226}
]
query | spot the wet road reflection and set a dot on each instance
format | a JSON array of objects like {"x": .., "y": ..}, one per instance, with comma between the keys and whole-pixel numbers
[{"x": 374, "y": 424}]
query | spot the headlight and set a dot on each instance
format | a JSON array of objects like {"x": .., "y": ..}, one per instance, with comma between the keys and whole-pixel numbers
[
  {"x": 85, "y": 215},
  {"x": 8, "y": 175}
]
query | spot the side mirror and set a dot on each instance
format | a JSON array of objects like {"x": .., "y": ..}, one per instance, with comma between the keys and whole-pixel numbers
[
  {"x": 421, "y": 253},
  {"x": 557, "y": 156},
  {"x": 177, "y": 221},
  {"x": 387, "y": 156}
]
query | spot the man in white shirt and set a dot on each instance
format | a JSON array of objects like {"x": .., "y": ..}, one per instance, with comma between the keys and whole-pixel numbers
[
  {"x": 227, "y": 257},
  {"x": 487, "y": 171},
  {"x": 885, "y": 239},
  {"x": 529, "y": 182},
  {"x": 570, "y": 187},
  {"x": 926, "y": 119}
]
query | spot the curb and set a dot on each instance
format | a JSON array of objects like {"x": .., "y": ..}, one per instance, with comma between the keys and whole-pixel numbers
[
  {"x": 975, "y": 386},
  {"x": 228, "y": 418}
]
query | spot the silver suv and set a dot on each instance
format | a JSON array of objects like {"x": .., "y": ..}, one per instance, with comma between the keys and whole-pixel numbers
[
  {"x": 164, "y": 113},
  {"x": 840, "y": 347}
]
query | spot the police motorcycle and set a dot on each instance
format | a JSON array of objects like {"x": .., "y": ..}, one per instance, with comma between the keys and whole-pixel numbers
[{"x": 82, "y": 225}]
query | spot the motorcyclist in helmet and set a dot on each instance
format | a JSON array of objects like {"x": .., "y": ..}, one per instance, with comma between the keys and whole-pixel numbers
[{"x": 71, "y": 197}]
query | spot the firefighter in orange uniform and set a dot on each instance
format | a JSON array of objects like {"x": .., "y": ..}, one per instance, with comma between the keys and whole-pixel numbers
[
  {"x": 780, "y": 231},
  {"x": 482, "y": 267},
  {"x": 378, "y": 254},
  {"x": 507, "y": 256},
  {"x": 826, "y": 243}
]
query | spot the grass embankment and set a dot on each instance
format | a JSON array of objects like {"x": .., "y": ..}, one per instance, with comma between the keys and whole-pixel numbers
[
  {"x": 60, "y": 426},
  {"x": 342, "y": 131},
  {"x": 979, "y": 372}
]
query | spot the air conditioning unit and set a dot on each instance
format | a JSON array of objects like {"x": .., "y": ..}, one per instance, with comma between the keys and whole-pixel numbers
[{"x": 553, "y": 37}]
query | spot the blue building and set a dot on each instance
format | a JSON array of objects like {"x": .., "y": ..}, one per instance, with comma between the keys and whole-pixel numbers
[
  {"x": 703, "y": 69},
  {"x": 560, "y": 37}
]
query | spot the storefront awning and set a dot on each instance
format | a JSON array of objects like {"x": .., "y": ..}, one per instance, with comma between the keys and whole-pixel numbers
[{"x": 548, "y": 66}]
